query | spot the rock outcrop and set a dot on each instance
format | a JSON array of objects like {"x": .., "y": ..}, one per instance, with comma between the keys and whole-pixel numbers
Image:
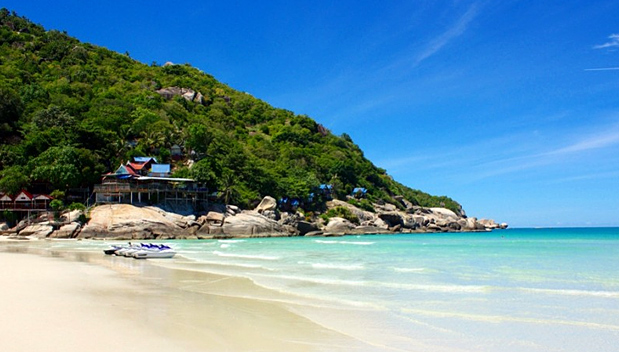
[
  {"x": 338, "y": 225},
  {"x": 128, "y": 222},
  {"x": 66, "y": 231},
  {"x": 124, "y": 221},
  {"x": 186, "y": 93},
  {"x": 267, "y": 204},
  {"x": 40, "y": 230}
]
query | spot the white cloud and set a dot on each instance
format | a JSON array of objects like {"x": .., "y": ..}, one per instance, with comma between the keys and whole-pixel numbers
[
  {"x": 518, "y": 153},
  {"x": 452, "y": 32},
  {"x": 605, "y": 139},
  {"x": 602, "y": 69},
  {"x": 613, "y": 42}
]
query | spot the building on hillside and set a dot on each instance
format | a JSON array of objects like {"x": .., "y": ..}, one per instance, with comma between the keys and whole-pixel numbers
[
  {"x": 326, "y": 190},
  {"x": 41, "y": 201},
  {"x": 25, "y": 201},
  {"x": 6, "y": 201},
  {"x": 359, "y": 192},
  {"x": 125, "y": 185},
  {"x": 176, "y": 152},
  {"x": 141, "y": 164}
]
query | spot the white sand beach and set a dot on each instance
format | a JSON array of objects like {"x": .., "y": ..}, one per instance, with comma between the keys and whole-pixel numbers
[{"x": 89, "y": 302}]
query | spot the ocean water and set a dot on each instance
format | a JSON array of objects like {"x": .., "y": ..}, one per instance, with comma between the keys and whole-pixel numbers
[{"x": 510, "y": 290}]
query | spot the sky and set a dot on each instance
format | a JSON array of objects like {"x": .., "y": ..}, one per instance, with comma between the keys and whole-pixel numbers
[{"x": 509, "y": 107}]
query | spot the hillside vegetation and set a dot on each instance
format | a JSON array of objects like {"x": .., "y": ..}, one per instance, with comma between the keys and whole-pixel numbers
[{"x": 71, "y": 111}]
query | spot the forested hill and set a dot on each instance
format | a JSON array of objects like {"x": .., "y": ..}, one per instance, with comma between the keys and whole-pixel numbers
[{"x": 71, "y": 111}]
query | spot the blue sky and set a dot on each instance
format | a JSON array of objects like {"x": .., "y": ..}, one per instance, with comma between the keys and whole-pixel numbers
[{"x": 509, "y": 107}]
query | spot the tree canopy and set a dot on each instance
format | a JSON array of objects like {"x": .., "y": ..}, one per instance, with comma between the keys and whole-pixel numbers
[{"x": 70, "y": 111}]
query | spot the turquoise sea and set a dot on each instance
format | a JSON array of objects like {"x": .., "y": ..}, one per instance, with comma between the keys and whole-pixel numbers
[{"x": 510, "y": 290}]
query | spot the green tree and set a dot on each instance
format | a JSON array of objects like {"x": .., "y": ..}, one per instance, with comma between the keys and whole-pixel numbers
[
  {"x": 57, "y": 206},
  {"x": 142, "y": 119},
  {"x": 64, "y": 167},
  {"x": 199, "y": 139},
  {"x": 10, "y": 110},
  {"x": 53, "y": 116},
  {"x": 13, "y": 179}
]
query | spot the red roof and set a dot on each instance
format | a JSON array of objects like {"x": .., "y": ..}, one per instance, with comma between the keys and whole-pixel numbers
[
  {"x": 25, "y": 193},
  {"x": 136, "y": 166},
  {"x": 5, "y": 197}
]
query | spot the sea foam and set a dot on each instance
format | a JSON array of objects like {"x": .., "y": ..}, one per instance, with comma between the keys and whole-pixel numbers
[
  {"x": 245, "y": 256},
  {"x": 357, "y": 243}
]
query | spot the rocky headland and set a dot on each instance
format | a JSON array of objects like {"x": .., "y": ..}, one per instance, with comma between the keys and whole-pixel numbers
[{"x": 128, "y": 222}]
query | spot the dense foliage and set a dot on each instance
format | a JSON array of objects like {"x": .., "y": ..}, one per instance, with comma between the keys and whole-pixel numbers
[{"x": 70, "y": 111}]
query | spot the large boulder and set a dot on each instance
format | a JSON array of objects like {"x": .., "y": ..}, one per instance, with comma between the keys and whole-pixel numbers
[
  {"x": 489, "y": 224},
  {"x": 232, "y": 210},
  {"x": 408, "y": 205},
  {"x": 362, "y": 215},
  {"x": 444, "y": 213},
  {"x": 209, "y": 232},
  {"x": 410, "y": 223},
  {"x": 473, "y": 225},
  {"x": 124, "y": 221},
  {"x": 272, "y": 214},
  {"x": 214, "y": 218},
  {"x": 267, "y": 203},
  {"x": 382, "y": 208},
  {"x": 66, "y": 231},
  {"x": 286, "y": 218},
  {"x": 421, "y": 220},
  {"x": 177, "y": 219},
  {"x": 305, "y": 227},
  {"x": 339, "y": 226},
  {"x": 380, "y": 224},
  {"x": 392, "y": 218},
  {"x": 187, "y": 93},
  {"x": 40, "y": 230},
  {"x": 252, "y": 224},
  {"x": 71, "y": 216}
]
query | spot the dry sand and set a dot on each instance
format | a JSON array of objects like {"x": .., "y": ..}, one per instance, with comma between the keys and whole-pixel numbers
[{"x": 63, "y": 301}]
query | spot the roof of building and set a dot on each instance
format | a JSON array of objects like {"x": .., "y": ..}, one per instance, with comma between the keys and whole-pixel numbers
[
  {"x": 42, "y": 197},
  {"x": 124, "y": 170},
  {"x": 160, "y": 168},
  {"x": 22, "y": 196},
  {"x": 136, "y": 166},
  {"x": 143, "y": 159},
  {"x": 5, "y": 197}
]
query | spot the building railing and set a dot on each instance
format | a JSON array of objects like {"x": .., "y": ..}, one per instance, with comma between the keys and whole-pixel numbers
[
  {"x": 147, "y": 187},
  {"x": 23, "y": 206}
]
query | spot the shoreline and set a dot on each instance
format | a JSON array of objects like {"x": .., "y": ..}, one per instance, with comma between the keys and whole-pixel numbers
[{"x": 82, "y": 300}]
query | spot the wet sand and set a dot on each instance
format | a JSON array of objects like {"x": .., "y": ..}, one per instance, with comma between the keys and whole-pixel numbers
[{"x": 76, "y": 301}]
